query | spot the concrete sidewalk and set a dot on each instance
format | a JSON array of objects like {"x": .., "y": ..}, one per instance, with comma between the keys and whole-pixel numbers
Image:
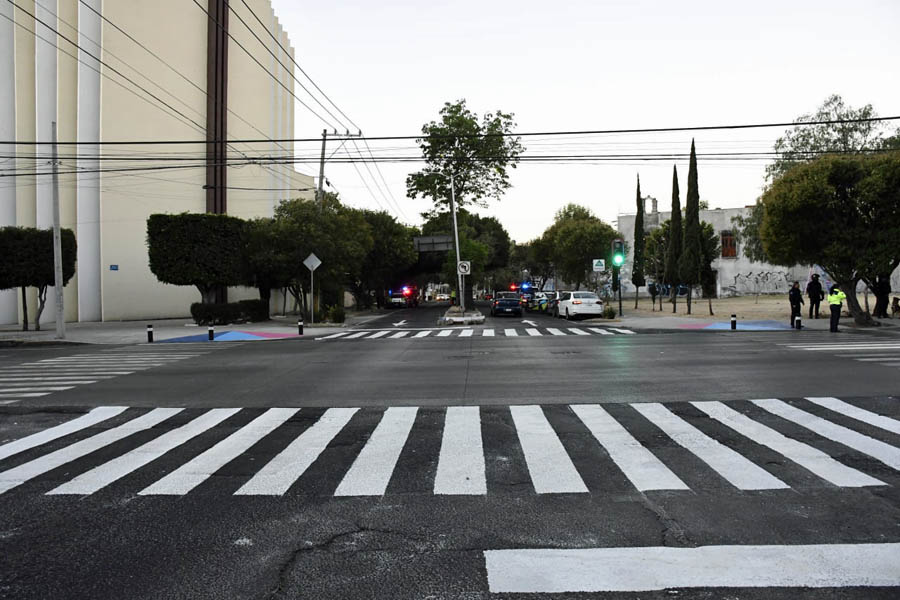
[{"x": 722, "y": 322}]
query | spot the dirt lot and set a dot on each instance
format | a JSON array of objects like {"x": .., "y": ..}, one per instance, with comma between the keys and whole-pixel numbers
[{"x": 774, "y": 307}]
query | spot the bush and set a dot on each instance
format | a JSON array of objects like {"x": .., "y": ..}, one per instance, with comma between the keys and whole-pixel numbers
[
  {"x": 254, "y": 310},
  {"x": 336, "y": 314},
  {"x": 609, "y": 312},
  {"x": 232, "y": 312}
]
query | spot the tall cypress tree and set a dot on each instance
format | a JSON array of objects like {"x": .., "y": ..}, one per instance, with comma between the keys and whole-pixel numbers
[
  {"x": 692, "y": 252},
  {"x": 637, "y": 267},
  {"x": 673, "y": 254}
]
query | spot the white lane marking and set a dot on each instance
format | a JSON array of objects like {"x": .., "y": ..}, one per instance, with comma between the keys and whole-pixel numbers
[
  {"x": 117, "y": 468},
  {"x": 843, "y": 347},
  {"x": 886, "y": 453},
  {"x": 97, "y": 415},
  {"x": 26, "y": 395},
  {"x": 57, "y": 380},
  {"x": 510, "y": 333},
  {"x": 646, "y": 569},
  {"x": 487, "y": 333},
  {"x": 737, "y": 470},
  {"x": 890, "y": 364},
  {"x": 460, "y": 467},
  {"x": 199, "y": 469},
  {"x": 466, "y": 333},
  {"x": 555, "y": 331},
  {"x": 640, "y": 466},
  {"x": 550, "y": 468},
  {"x": 281, "y": 472},
  {"x": 532, "y": 331},
  {"x": 804, "y": 455},
  {"x": 400, "y": 334},
  {"x": 104, "y": 361},
  {"x": 600, "y": 331},
  {"x": 532, "y": 323},
  {"x": 111, "y": 358},
  {"x": 356, "y": 335},
  {"x": 577, "y": 331},
  {"x": 19, "y": 475},
  {"x": 69, "y": 372},
  {"x": 625, "y": 331},
  {"x": 334, "y": 335},
  {"x": 422, "y": 334},
  {"x": 854, "y": 412},
  {"x": 378, "y": 334},
  {"x": 444, "y": 332},
  {"x": 37, "y": 388},
  {"x": 876, "y": 358},
  {"x": 371, "y": 471}
]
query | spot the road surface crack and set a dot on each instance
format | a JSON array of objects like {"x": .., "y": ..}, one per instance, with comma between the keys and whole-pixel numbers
[{"x": 672, "y": 533}]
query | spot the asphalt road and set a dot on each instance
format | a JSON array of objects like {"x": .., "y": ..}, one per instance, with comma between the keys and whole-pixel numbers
[{"x": 420, "y": 467}]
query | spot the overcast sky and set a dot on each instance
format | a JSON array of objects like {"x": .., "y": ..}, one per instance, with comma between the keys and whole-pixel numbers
[{"x": 593, "y": 65}]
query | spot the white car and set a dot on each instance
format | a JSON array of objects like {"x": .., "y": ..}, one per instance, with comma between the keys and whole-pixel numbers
[{"x": 579, "y": 305}]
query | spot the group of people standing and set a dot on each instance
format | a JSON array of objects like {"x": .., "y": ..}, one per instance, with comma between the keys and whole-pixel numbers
[{"x": 816, "y": 293}]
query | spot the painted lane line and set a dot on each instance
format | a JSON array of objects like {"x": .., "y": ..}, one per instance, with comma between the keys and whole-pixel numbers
[
  {"x": 555, "y": 331},
  {"x": 24, "y": 472},
  {"x": 188, "y": 476},
  {"x": 487, "y": 333},
  {"x": 844, "y": 348},
  {"x": 625, "y": 331},
  {"x": 334, "y": 335},
  {"x": 550, "y": 468},
  {"x": 41, "y": 381},
  {"x": 510, "y": 333},
  {"x": 444, "y": 332},
  {"x": 533, "y": 332},
  {"x": 466, "y": 333},
  {"x": 107, "y": 358},
  {"x": 876, "y": 358},
  {"x": 57, "y": 379},
  {"x": 103, "y": 360},
  {"x": 69, "y": 373},
  {"x": 577, "y": 331},
  {"x": 117, "y": 468},
  {"x": 737, "y": 470},
  {"x": 280, "y": 473},
  {"x": 890, "y": 364},
  {"x": 854, "y": 412},
  {"x": 37, "y": 388},
  {"x": 377, "y": 335},
  {"x": 95, "y": 416},
  {"x": 647, "y": 569},
  {"x": 399, "y": 335},
  {"x": 460, "y": 469},
  {"x": 422, "y": 334},
  {"x": 886, "y": 453},
  {"x": 358, "y": 334},
  {"x": 640, "y": 466},
  {"x": 804, "y": 455},
  {"x": 27, "y": 395},
  {"x": 371, "y": 472},
  {"x": 600, "y": 331}
]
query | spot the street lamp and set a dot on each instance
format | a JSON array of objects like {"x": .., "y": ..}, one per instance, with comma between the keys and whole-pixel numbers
[{"x": 459, "y": 277}]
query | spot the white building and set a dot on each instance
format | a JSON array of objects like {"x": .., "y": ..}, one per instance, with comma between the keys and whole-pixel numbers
[{"x": 119, "y": 71}]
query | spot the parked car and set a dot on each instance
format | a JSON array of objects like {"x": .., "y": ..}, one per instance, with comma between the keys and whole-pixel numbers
[
  {"x": 442, "y": 297},
  {"x": 553, "y": 301},
  {"x": 506, "y": 306},
  {"x": 513, "y": 295},
  {"x": 575, "y": 305},
  {"x": 397, "y": 300}
]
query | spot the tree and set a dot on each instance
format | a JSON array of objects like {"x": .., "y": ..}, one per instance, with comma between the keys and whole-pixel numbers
[
  {"x": 269, "y": 261},
  {"x": 392, "y": 254},
  {"x": 674, "y": 247},
  {"x": 840, "y": 212},
  {"x": 637, "y": 264},
  {"x": 477, "y": 154},
  {"x": 576, "y": 243},
  {"x": 657, "y": 244},
  {"x": 689, "y": 266},
  {"x": 14, "y": 248},
  {"x": 204, "y": 250},
  {"x": 746, "y": 233},
  {"x": 709, "y": 244}
]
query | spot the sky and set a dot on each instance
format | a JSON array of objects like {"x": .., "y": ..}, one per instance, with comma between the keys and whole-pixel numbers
[{"x": 590, "y": 65}]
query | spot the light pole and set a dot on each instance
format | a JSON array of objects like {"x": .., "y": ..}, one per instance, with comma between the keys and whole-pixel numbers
[{"x": 459, "y": 276}]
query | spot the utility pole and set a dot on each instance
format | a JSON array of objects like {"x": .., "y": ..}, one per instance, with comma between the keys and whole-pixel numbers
[
  {"x": 57, "y": 245},
  {"x": 320, "y": 193},
  {"x": 459, "y": 276}
]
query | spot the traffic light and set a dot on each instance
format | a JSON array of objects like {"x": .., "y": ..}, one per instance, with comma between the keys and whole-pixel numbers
[{"x": 618, "y": 253}]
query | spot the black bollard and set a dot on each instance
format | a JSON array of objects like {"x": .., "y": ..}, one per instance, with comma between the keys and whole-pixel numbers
[
  {"x": 149, "y": 334},
  {"x": 797, "y": 323},
  {"x": 733, "y": 322},
  {"x": 299, "y": 326},
  {"x": 211, "y": 333}
]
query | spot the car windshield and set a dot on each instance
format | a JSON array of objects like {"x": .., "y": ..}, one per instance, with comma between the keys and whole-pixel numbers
[{"x": 586, "y": 295}]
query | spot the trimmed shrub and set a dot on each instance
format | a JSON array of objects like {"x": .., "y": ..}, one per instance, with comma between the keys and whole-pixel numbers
[
  {"x": 336, "y": 314},
  {"x": 215, "y": 314},
  {"x": 254, "y": 310},
  {"x": 609, "y": 312}
]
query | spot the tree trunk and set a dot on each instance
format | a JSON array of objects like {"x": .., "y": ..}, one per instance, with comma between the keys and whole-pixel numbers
[
  {"x": 860, "y": 317},
  {"x": 689, "y": 294},
  {"x": 42, "y": 300},
  {"x": 674, "y": 298},
  {"x": 710, "y": 307},
  {"x": 207, "y": 294},
  {"x": 636, "y": 288},
  {"x": 24, "y": 310}
]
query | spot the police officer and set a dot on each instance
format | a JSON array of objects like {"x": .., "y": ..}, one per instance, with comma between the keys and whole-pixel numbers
[
  {"x": 816, "y": 294},
  {"x": 835, "y": 297},
  {"x": 795, "y": 297}
]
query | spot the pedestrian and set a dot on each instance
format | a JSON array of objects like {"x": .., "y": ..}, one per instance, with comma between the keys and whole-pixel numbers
[
  {"x": 835, "y": 297},
  {"x": 795, "y": 297},
  {"x": 452, "y": 297},
  {"x": 816, "y": 294}
]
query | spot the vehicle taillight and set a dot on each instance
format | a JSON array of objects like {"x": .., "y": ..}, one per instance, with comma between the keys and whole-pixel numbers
[{"x": 576, "y": 301}]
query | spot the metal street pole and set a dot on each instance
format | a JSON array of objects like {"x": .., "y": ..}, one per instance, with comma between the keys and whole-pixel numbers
[
  {"x": 57, "y": 247},
  {"x": 312, "y": 299},
  {"x": 459, "y": 277},
  {"x": 320, "y": 193}
]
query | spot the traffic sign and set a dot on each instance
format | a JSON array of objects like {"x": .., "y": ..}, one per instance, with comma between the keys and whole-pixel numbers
[
  {"x": 599, "y": 265},
  {"x": 464, "y": 267},
  {"x": 312, "y": 262}
]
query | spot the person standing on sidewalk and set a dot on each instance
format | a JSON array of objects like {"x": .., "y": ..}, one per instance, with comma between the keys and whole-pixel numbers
[
  {"x": 835, "y": 297},
  {"x": 795, "y": 297},
  {"x": 816, "y": 295}
]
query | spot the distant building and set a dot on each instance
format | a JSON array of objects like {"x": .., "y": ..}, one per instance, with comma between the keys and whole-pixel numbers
[{"x": 220, "y": 93}]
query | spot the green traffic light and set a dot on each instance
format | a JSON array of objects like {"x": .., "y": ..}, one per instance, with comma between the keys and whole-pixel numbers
[{"x": 618, "y": 260}]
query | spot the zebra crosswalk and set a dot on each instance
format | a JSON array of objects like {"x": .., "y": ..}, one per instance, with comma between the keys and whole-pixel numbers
[
  {"x": 881, "y": 352},
  {"x": 765, "y": 444},
  {"x": 472, "y": 332},
  {"x": 42, "y": 377}
]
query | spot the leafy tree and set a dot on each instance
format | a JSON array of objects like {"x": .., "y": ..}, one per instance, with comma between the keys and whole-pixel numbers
[
  {"x": 14, "y": 270},
  {"x": 689, "y": 266},
  {"x": 268, "y": 255},
  {"x": 656, "y": 249},
  {"x": 746, "y": 233},
  {"x": 637, "y": 265},
  {"x": 476, "y": 152},
  {"x": 709, "y": 244},
  {"x": 576, "y": 244},
  {"x": 392, "y": 254},
  {"x": 840, "y": 212},
  {"x": 674, "y": 247}
]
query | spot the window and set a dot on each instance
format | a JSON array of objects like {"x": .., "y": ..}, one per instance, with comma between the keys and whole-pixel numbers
[{"x": 729, "y": 246}]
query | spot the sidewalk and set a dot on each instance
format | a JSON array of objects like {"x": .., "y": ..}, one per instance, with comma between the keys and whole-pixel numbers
[{"x": 722, "y": 322}]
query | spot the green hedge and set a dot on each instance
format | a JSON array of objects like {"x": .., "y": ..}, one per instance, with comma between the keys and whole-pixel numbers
[{"x": 232, "y": 312}]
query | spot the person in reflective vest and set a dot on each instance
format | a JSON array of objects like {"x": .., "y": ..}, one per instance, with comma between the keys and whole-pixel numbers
[{"x": 835, "y": 297}]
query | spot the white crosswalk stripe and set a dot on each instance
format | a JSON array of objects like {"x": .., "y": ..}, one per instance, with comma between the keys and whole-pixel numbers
[
  {"x": 393, "y": 334},
  {"x": 461, "y": 459},
  {"x": 488, "y": 333},
  {"x": 879, "y": 352}
]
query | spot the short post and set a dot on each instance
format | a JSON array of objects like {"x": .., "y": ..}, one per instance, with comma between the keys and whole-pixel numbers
[
  {"x": 733, "y": 322},
  {"x": 211, "y": 332},
  {"x": 797, "y": 322},
  {"x": 300, "y": 326},
  {"x": 149, "y": 334}
]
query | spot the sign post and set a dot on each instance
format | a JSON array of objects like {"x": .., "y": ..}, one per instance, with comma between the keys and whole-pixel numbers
[{"x": 312, "y": 263}]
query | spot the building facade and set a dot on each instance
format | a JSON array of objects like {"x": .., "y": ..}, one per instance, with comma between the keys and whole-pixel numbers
[{"x": 110, "y": 72}]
